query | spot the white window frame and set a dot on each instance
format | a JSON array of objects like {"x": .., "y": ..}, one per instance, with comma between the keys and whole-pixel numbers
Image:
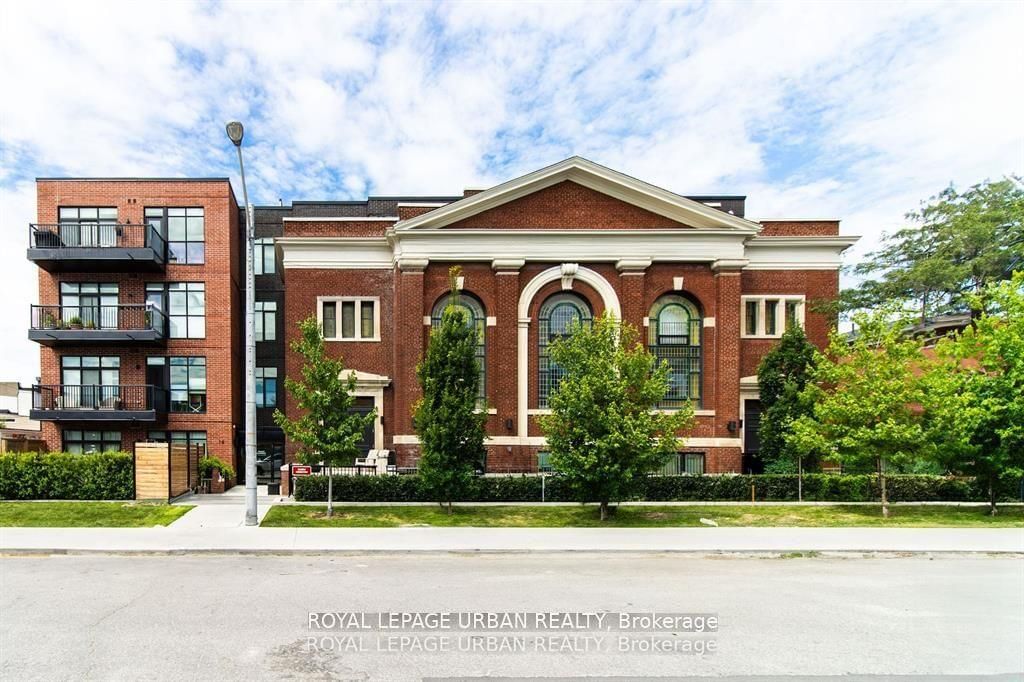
[
  {"x": 781, "y": 321},
  {"x": 359, "y": 300}
]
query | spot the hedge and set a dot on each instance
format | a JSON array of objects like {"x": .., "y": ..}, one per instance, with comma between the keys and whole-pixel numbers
[
  {"x": 67, "y": 476},
  {"x": 776, "y": 487}
]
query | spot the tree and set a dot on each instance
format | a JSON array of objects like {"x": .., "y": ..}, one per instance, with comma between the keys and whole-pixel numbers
[
  {"x": 975, "y": 391},
  {"x": 781, "y": 376},
  {"x": 448, "y": 417},
  {"x": 328, "y": 430},
  {"x": 863, "y": 402},
  {"x": 603, "y": 431},
  {"x": 958, "y": 245}
]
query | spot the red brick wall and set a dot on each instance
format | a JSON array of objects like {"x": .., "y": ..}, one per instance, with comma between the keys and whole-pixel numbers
[
  {"x": 799, "y": 228},
  {"x": 336, "y": 228},
  {"x": 567, "y": 205},
  {"x": 221, "y": 274}
]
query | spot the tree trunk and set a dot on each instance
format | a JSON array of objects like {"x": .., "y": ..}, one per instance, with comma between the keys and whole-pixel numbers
[
  {"x": 604, "y": 510},
  {"x": 881, "y": 483},
  {"x": 330, "y": 495},
  {"x": 799, "y": 479},
  {"x": 992, "y": 495},
  {"x": 449, "y": 507}
]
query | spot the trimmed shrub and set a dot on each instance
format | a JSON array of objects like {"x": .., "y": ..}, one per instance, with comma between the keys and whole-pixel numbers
[
  {"x": 733, "y": 488},
  {"x": 67, "y": 476},
  {"x": 208, "y": 464}
]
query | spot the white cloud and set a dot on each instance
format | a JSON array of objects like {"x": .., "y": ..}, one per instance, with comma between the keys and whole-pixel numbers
[{"x": 850, "y": 110}]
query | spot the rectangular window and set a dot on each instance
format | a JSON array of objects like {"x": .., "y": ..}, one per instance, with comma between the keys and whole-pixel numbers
[
  {"x": 544, "y": 461},
  {"x": 266, "y": 320},
  {"x": 88, "y": 226},
  {"x": 769, "y": 316},
  {"x": 188, "y": 384},
  {"x": 90, "y": 381},
  {"x": 684, "y": 463},
  {"x": 185, "y": 231},
  {"x": 85, "y": 442},
  {"x": 359, "y": 318},
  {"x": 266, "y": 387},
  {"x": 184, "y": 304},
  {"x": 263, "y": 262},
  {"x": 94, "y": 304},
  {"x": 751, "y": 318},
  {"x": 189, "y": 438},
  {"x": 771, "y": 308}
]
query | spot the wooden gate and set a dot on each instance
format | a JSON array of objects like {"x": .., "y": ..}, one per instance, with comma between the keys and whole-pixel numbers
[{"x": 164, "y": 471}]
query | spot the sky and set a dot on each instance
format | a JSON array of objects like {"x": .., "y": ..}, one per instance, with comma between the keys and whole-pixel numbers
[{"x": 857, "y": 111}]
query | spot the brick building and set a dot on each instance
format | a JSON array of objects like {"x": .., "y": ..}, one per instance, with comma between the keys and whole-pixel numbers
[
  {"x": 710, "y": 289},
  {"x": 139, "y": 302},
  {"x": 140, "y": 320}
]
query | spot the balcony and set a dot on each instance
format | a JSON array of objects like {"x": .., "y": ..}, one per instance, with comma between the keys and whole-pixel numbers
[
  {"x": 97, "y": 247},
  {"x": 52, "y": 325},
  {"x": 93, "y": 402}
]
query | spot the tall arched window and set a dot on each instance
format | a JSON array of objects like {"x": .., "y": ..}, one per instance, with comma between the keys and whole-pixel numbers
[
  {"x": 674, "y": 331},
  {"x": 556, "y": 317},
  {"x": 476, "y": 319}
]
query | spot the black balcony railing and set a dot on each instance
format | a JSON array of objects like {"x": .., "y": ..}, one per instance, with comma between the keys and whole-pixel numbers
[
  {"x": 92, "y": 398},
  {"x": 124, "y": 317},
  {"x": 98, "y": 236}
]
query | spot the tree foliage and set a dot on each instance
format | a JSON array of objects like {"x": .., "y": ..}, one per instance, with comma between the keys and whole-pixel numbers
[
  {"x": 781, "y": 376},
  {"x": 975, "y": 391},
  {"x": 863, "y": 402},
  {"x": 603, "y": 431},
  {"x": 328, "y": 430},
  {"x": 958, "y": 244},
  {"x": 448, "y": 417}
]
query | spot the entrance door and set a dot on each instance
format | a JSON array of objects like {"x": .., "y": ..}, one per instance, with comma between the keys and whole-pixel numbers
[
  {"x": 363, "y": 406},
  {"x": 752, "y": 437}
]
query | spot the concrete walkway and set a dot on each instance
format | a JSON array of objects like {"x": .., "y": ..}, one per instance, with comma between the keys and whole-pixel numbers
[
  {"x": 210, "y": 537},
  {"x": 226, "y": 510}
]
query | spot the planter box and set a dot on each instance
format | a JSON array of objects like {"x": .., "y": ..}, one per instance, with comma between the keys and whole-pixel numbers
[{"x": 219, "y": 484}]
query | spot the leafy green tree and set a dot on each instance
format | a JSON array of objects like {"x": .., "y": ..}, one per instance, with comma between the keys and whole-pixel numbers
[
  {"x": 958, "y": 244},
  {"x": 448, "y": 417},
  {"x": 974, "y": 395},
  {"x": 781, "y": 376},
  {"x": 863, "y": 402},
  {"x": 604, "y": 431},
  {"x": 328, "y": 430}
]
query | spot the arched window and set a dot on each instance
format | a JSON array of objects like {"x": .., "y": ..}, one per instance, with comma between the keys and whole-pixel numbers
[
  {"x": 674, "y": 331},
  {"x": 475, "y": 318},
  {"x": 556, "y": 317}
]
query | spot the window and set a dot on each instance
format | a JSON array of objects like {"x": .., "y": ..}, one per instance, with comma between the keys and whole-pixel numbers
[
  {"x": 266, "y": 386},
  {"x": 266, "y": 320},
  {"x": 684, "y": 463},
  {"x": 85, "y": 442},
  {"x": 475, "y": 319},
  {"x": 263, "y": 256},
  {"x": 94, "y": 304},
  {"x": 544, "y": 461},
  {"x": 187, "y": 384},
  {"x": 90, "y": 381},
  {"x": 557, "y": 317},
  {"x": 88, "y": 227},
  {"x": 674, "y": 336},
  {"x": 184, "y": 304},
  {"x": 185, "y": 231},
  {"x": 346, "y": 318},
  {"x": 769, "y": 316},
  {"x": 189, "y": 438}
]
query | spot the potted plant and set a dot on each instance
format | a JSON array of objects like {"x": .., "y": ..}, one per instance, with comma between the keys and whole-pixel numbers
[
  {"x": 216, "y": 474},
  {"x": 49, "y": 321},
  {"x": 91, "y": 324},
  {"x": 75, "y": 322}
]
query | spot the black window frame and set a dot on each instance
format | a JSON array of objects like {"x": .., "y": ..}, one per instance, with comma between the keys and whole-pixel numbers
[
  {"x": 477, "y": 314},
  {"x": 549, "y": 374},
  {"x": 684, "y": 352},
  {"x": 162, "y": 223},
  {"x": 106, "y": 442}
]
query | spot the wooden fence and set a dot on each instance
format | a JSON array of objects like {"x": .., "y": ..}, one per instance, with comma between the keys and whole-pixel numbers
[{"x": 165, "y": 470}]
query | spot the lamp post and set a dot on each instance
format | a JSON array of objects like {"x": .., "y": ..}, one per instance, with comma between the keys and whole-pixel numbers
[{"x": 235, "y": 133}]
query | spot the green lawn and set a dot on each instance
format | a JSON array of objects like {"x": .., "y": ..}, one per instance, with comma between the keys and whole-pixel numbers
[
  {"x": 515, "y": 516},
  {"x": 88, "y": 514}
]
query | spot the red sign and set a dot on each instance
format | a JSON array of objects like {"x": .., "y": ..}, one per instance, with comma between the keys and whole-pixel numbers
[{"x": 301, "y": 470}]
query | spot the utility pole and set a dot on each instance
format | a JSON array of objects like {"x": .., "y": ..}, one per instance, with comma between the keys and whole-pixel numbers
[{"x": 235, "y": 134}]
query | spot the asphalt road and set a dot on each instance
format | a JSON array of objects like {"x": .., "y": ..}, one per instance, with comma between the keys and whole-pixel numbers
[{"x": 247, "y": 618}]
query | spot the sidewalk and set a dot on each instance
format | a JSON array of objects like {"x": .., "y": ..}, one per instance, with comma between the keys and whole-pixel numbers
[{"x": 241, "y": 539}]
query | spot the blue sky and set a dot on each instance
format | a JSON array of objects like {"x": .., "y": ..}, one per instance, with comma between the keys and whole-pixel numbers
[{"x": 813, "y": 110}]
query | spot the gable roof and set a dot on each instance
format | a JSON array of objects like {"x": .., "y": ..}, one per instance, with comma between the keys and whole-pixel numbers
[{"x": 589, "y": 174}]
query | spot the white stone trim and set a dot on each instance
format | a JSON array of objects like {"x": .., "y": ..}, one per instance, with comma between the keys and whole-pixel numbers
[
  {"x": 780, "y": 319},
  {"x": 492, "y": 321},
  {"x": 677, "y": 283},
  {"x": 591, "y": 175},
  {"x": 709, "y": 323},
  {"x": 340, "y": 219},
  {"x": 427, "y": 321},
  {"x": 372, "y": 386},
  {"x": 511, "y": 264},
  {"x": 434, "y": 204},
  {"x": 611, "y": 305},
  {"x": 633, "y": 266},
  {"x": 334, "y": 253},
  {"x": 798, "y": 253},
  {"x": 358, "y": 300}
]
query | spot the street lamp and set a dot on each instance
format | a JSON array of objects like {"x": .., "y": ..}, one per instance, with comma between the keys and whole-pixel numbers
[{"x": 235, "y": 133}]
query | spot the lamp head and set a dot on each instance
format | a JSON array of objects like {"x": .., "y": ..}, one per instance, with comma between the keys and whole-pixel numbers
[{"x": 235, "y": 132}]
